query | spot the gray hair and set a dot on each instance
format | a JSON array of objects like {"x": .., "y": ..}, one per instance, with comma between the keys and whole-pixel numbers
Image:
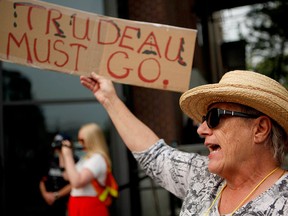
[
  {"x": 278, "y": 137},
  {"x": 279, "y": 142}
]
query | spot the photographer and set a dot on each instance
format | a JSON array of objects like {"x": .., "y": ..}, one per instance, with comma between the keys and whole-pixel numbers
[
  {"x": 89, "y": 175},
  {"x": 54, "y": 186}
]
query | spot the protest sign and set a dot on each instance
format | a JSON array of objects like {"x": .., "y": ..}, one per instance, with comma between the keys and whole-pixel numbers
[{"x": 48, "y": 36}]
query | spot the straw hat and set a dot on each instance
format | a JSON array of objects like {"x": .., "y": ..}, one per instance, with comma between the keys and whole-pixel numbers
[{"x": 243, "y": 87}]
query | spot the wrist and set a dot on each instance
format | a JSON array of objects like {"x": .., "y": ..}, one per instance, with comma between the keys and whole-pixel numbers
[{"x": 56, "y": 195}]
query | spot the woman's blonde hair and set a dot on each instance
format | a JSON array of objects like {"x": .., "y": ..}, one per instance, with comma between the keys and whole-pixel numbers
[{"x": 95, "y": 141}]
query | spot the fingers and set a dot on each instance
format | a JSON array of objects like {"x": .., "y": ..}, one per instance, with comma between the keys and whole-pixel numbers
[
  {"x": 92, "y": 83},
  {"x": 68, "y": 146},
  {"x": 66, "y": 143},
  {"x": 95, "y": 76},
  {"x": 87, "y": 82}
]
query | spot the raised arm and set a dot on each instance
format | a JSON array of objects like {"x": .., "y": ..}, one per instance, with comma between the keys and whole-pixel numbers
[{"x": 135, "y": 134}]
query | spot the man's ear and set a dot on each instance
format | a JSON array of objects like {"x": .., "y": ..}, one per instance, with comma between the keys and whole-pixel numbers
[{"x": 263, "y": 126}]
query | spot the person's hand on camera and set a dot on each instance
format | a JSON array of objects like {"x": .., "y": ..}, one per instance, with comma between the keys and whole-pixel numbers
[{"x": 66, "y": 148}]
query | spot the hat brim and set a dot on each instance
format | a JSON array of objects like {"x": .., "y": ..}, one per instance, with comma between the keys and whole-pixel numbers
[{"x": 195, "y": 102}]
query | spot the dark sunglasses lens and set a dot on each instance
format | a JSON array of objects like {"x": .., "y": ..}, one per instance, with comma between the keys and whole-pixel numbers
[{"x": 213, "y": 118}]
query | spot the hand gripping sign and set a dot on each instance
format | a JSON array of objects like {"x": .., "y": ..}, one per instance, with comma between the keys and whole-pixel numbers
[{"x": 48, "y": 36}]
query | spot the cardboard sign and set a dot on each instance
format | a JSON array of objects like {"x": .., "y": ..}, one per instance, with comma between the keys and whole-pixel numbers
[{"x": 48, "y": 36}]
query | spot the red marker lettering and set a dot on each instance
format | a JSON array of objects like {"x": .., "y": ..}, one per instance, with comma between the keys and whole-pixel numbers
[
  {"x": 78, "y": 46},
  {"x": 141, "y": 73},
  {"x": 180, "y": 50},
  {"x": 100, "y": 29},
  {"x": 86, "y": 30},
  {"x": 113, "y": 73},
  {"x": 55, "y": 22},
  {"x": 18, "y": 43},
  {"x": 36, "y": 53},
  {"x": 56, "y": 44},
  {"x": 153, "y": 43},
  {"x": 126, "y": 35}
]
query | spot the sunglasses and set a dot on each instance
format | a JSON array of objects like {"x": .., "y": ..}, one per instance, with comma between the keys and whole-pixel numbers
[
  {"x": 81, "y": 140},
  {"x": 214, "y": 115}
]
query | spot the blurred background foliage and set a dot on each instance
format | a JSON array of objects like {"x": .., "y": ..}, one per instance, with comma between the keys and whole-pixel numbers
[{"x": 267, "y": 39}]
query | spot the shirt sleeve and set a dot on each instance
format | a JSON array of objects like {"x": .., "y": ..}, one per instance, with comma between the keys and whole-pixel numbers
[
  {"x": 172, "y": 169},
  {"x": 97, "y": 165}
]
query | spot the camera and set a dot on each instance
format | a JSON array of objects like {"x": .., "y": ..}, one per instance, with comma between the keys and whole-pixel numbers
[{"x": 57, "y": 142}]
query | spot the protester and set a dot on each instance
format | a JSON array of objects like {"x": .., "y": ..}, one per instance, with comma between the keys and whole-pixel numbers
[
  {"x": 244, "y": 121},
  {"x": 54, "y": 187},
  {"x": 89, "y": 176}
]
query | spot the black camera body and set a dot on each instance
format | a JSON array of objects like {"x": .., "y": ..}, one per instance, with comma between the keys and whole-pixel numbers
[
  {"x": 58, "y": 139},
  {"x": 57, "y": 144}
]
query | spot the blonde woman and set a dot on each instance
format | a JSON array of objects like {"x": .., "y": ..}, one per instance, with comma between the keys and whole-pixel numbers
[{"x": 84, "y": 197}]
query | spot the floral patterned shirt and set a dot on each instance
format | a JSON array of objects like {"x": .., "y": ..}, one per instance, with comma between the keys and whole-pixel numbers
[{"x": 186, "y": 175}]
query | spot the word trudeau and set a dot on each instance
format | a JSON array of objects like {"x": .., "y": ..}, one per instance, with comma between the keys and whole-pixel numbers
[{"x": 63, "y": 44}]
